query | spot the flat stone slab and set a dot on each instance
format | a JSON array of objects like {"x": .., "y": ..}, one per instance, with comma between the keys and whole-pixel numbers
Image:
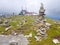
[{"x": 20, "y": 39}]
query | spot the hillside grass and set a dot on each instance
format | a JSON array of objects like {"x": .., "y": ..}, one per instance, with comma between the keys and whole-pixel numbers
[{"x": 28, "y": 28}]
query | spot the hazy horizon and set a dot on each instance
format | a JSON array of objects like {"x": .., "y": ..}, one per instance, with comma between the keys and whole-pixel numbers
[{"x": 9, "y": 6}]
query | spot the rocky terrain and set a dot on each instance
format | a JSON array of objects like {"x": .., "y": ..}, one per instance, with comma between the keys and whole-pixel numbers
[{"x": 29, "y": 30}]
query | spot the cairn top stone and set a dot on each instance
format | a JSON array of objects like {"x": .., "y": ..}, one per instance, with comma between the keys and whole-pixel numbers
[{"x": 42, "y": 8}]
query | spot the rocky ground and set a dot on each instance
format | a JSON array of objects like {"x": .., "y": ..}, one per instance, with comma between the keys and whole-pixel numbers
[{"x": 27, "y": 25}]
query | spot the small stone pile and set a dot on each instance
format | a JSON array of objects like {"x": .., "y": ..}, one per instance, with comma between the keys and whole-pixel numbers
[{"x": 6, "y": 23}]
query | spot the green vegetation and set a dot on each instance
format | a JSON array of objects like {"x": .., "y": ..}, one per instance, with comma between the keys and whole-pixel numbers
[
  {"x": 52, "y": 32},
  {"x": 28, "y": 28}
]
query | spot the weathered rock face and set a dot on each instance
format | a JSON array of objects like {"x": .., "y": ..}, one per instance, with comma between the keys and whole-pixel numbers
[{"x": 13, "y": 40}]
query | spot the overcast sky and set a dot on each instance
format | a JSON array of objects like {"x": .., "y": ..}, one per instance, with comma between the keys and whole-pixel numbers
[{"x": 9, "y": 6}]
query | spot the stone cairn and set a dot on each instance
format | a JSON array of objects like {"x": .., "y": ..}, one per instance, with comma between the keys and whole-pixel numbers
[{"x": 41, "y": 32}]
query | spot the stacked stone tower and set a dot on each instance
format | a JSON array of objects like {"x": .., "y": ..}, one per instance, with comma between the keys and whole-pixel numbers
[
  {"x": 41, "y": 32},
  {"x": 41, "y": 16},
  {"x": 42, "y": 11}
]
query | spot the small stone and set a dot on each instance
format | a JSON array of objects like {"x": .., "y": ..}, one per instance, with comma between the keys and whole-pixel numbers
[
  {"x": 7, "y": 28},
  {"x": 38, "y": 38},
  {"x": 55, "y": 41}
]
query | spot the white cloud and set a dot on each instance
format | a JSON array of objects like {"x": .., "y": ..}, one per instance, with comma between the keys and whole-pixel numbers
[{"x": 30, "y": 5}]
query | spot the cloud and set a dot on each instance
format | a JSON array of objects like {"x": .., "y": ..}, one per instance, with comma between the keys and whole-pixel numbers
[{"x": 51, "y": 6}]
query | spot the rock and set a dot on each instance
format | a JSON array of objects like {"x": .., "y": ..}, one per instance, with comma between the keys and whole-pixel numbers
[
  {"x": 38, "y": 34},
  {"x": 42, "y": 32},
  {"x": 30, "y": 35},
  {"x": 6, "y": 21},
  {"x": 55, "y": 41},
  {"x": 38, "y": 38},
  {"x": 21, "y": 24},
  {"x": 38, "y": 30},
  {"x": 14, "y": 40},
  {"x": 27, "y": 36},
  {"x": 6, "y": 25},
  {"x": 13, "y": 32},
  {"x": 48, "y": 24},
  {"x": 8, "y": 28}
]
